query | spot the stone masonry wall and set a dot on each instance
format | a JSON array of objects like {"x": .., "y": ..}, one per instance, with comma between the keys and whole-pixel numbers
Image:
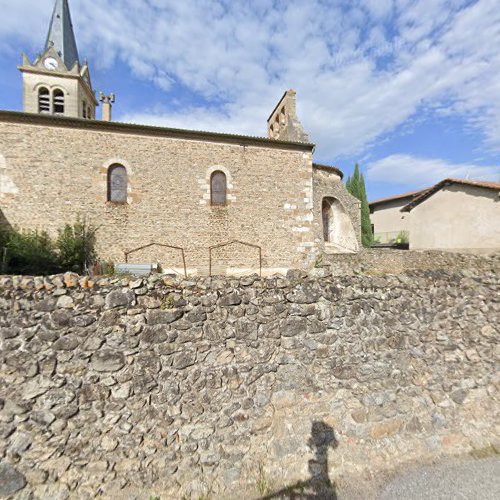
[
  {"x": 324, "y": 186},
  {"x": 228, "y": 388},
  {"x": 51, "y": 173}
]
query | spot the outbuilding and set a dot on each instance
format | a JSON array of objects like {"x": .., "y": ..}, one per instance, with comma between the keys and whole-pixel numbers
[{"x": 456, "y": 215}]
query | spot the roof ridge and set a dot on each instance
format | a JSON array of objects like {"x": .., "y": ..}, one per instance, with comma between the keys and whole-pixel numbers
[
  {"x": 399, "y": 196},
  {"x": 115, "y": 126},
  {"x": 449, "y": 180}
]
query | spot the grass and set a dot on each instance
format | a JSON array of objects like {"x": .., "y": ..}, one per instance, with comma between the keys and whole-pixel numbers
[{"x": 262, "y": 482}]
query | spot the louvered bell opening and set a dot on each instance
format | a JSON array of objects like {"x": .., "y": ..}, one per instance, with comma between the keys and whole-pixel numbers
[
  {"x": 44, "y": 101},
  {"x": 58, "y": 103}
]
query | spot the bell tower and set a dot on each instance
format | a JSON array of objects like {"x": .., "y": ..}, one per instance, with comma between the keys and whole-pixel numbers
[{"x": 56, "y": 83}]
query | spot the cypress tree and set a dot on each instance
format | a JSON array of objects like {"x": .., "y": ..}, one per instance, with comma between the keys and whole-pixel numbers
[
  {"x": 356, "y": 186},
  {"x": 366, "y": 225}
]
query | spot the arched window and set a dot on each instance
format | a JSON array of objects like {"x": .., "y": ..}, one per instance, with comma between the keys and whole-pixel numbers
[
  {"x": 117, "y": 184},
  {"x": 218, "y": 188},
  {"x": 58, "y": 102},
  {"x": 327, "y": 218},
  {"x": 84, "y": 109},
  {"x": 338, "y": 230},
  {"x": 44, "y": 100},
  {"x": 89, "y": 113}
]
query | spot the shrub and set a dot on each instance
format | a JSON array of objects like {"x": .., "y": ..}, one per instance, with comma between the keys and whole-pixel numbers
[
  {"x": 76, "y": 246},
  {"x": 402, "y": 238},
  {"x": 35, "y": 253},
  {"x": 31, "y": 252}
]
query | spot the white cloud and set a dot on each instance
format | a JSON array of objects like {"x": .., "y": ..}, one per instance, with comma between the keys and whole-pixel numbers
[
  {"x": 422, "y": 172},
  {"x": 361, "y": 67}
]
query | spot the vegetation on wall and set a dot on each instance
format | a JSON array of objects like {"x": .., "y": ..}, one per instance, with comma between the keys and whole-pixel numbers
[
  {"x": 36, "y": 253},
  {"x": 356, "y": 186}
]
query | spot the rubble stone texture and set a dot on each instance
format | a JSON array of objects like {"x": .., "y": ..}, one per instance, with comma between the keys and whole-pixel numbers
[
  {"x": 241, "y": 387},
  {"x": 271, "y": 196}
]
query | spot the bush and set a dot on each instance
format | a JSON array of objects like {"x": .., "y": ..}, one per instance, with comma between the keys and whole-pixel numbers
[
  {"x": 76, "y": 246},
  {"x": 31, "y": 252},
  {"x": 403, "y": 238},
  {"x": 35, "y": 253}
]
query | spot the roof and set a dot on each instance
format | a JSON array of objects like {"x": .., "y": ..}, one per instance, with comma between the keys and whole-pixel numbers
[
  {"x": 411, "y": 194},
  {"x": 330, "y": 168},
  {"x": 447, "y": 182},
  {"x": 132, "y": 128},
  {"x": 61, "y": 34}
]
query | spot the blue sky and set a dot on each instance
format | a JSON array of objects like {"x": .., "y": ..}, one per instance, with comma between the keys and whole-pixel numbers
[{"x": 407, "y": 88}]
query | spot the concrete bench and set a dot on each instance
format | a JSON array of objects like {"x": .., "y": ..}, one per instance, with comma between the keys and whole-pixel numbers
[{"x": 136, "y": 269}]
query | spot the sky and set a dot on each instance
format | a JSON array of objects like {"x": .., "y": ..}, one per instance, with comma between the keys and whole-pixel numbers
[{"x": 409, "y": 89}]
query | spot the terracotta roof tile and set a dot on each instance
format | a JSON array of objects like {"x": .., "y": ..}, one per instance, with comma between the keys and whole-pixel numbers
[
  {"x": 329, "y": 167},
  {"x": 410, "y": 194},
  {"x": 446, "y": 182}
]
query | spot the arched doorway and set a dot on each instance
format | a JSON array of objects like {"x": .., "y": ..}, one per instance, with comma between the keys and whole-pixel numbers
[{"x": 338, "y": 231}]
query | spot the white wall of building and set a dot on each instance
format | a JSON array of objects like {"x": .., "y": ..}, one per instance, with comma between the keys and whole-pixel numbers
[{"x": 457, "y": 217}]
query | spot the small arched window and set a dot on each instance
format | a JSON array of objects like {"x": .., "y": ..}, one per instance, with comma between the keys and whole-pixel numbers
[
  {"x": 89, "y": 113},
  {"x": 218, "y": 189},
  {"x": 58, "y": 102},
  {"x": 117, "y": 184},
  {"x": 44, "y": 100}
]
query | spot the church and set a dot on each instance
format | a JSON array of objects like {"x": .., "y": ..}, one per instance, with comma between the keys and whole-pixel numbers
[{"x": 188, "y": 200}]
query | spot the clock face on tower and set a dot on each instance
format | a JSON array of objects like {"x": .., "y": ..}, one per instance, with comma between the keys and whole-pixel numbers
[{"x": 50, "y": 63}]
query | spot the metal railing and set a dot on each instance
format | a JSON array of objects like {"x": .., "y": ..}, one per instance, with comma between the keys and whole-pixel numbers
[
  {"x": 222, "y": 245},
  {"x": 129, "y": 252}
]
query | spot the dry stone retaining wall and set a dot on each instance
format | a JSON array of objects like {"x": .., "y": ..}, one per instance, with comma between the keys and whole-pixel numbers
[{"x": 240, "y": 387}]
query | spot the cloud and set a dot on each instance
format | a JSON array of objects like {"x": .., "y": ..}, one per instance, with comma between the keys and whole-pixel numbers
[
  {"x": 361, "y": 68},
  {"x": 422, "y": 172}
]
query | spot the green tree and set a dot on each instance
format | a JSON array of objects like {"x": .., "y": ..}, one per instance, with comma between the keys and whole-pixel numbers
[
  {"x": 356, "y": 186},
  {"x": 76, "y": 246}
]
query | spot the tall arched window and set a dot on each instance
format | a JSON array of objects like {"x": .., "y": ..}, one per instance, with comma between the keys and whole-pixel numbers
[
  {"x": 326, "y": 214},
  {"x": 58, "y": 102},
  {"x": 117, "y": 184},
  {"x": 218, "y": 188},
  {"x": 43, "y": 100},
  {"x": 338, "y": 230}
]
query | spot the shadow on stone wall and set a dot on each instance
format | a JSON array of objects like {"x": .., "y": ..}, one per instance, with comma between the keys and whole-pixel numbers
[
  {"x": 4, "y": 223},
  {"x": 319, "y": 485}
]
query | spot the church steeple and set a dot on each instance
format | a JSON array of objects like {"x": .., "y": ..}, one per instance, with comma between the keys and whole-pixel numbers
[
  {"x": 57, "y": 83},
  {"x": 61, "y": 35}
]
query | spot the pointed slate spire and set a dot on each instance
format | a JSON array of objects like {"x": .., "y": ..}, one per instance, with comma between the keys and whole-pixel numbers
[{"x": 61, "y": 34}]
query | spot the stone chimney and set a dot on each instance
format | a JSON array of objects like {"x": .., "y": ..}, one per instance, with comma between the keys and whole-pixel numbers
[
  {"x": 107, "y": 104},
  {"x": 283, "y": 123}
]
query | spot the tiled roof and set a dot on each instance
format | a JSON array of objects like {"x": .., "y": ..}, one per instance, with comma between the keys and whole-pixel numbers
[
  {"x": 132, "y": 128},
  {"x": 411, "y": 194},
  {"x": 329, "y": 167},
  {"x": 446, "y": 182}
]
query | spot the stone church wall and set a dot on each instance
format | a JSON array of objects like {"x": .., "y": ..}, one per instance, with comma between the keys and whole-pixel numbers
[
  {"x": 56, "y": 170},
  {"x": 241, "y": 387},
  {"x": 326, "y": 184}
]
